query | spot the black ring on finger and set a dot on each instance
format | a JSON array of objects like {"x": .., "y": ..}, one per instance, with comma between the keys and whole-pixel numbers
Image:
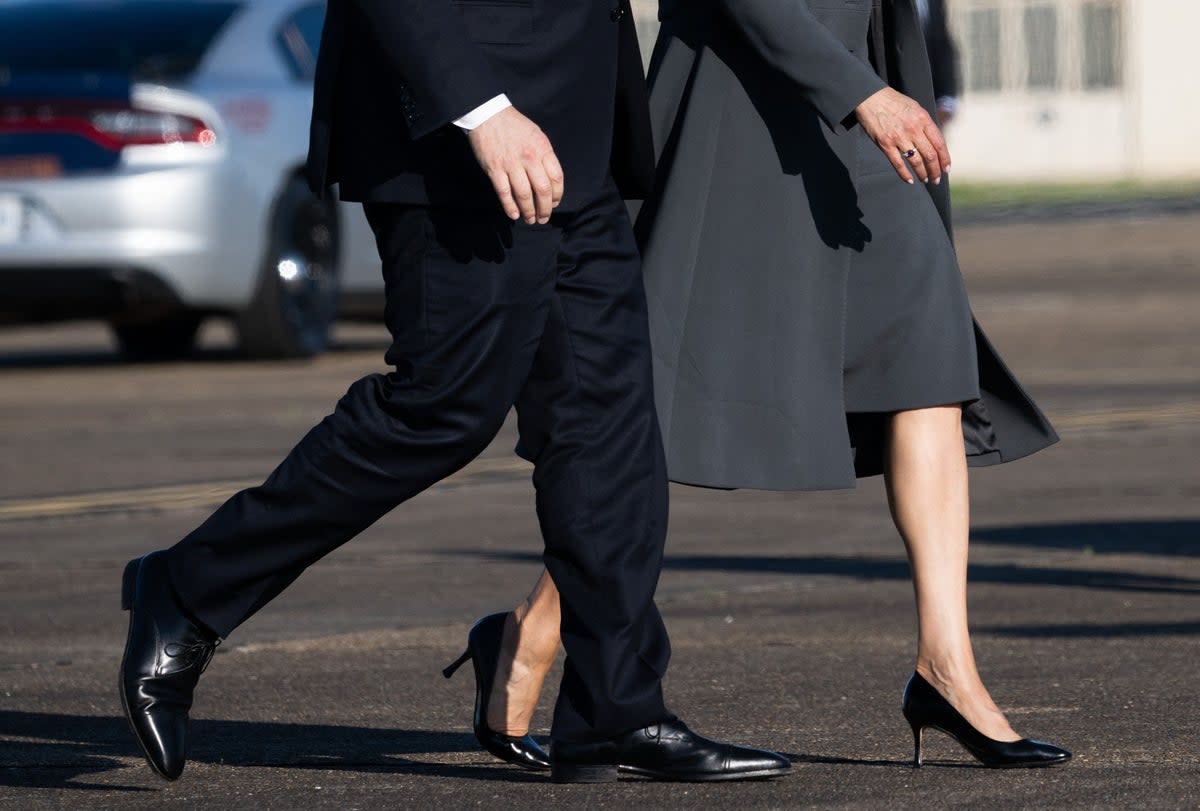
[{"x": 909, "y": 153}]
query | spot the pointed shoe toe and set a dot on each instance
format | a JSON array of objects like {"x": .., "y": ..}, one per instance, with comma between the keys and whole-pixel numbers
[
  {"x": 521, "y": 751},
  {"x": 747, "y": 760},
  {"x": 1028, "y": 753},
  {"x": 164, "y": 739}
]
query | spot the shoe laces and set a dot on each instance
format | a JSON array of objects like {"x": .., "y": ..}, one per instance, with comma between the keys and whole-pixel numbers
[{"x": 193, "y": 653}]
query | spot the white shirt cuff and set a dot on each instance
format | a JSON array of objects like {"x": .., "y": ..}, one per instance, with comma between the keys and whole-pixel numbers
[
  {"x": 483, "y": 112},
  {"x": 947, "y": 104}
]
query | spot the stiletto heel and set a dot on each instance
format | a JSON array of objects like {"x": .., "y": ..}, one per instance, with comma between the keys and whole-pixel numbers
[
  {"x": 453, "y": 667},
  {"x": 925, "y": 707},
  {"x": 484, "y": 643}
]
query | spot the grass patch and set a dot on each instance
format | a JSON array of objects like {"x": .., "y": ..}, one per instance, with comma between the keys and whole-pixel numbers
[{"x": 970, "y": 195}]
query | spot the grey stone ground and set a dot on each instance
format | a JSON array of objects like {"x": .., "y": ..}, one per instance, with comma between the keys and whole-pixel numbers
[{"x": 791, "y": 615}]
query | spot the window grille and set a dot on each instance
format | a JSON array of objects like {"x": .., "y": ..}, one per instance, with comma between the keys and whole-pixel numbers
[{"x": 1039, "y": 45}]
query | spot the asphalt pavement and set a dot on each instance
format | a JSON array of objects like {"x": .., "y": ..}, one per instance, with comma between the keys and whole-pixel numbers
[{"x": 791, "y": 615}]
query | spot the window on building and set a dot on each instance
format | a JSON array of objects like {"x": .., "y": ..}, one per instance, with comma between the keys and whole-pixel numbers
[
  {"x": 1101, "y": 46},
  {"x": 983, "y": 49},
  {"x": 1041, "y": 47}
]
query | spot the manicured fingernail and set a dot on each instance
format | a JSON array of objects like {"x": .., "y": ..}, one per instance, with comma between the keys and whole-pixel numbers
[
  {"x": 909, "y": 181},
  {"x": 937, "y": 181}
]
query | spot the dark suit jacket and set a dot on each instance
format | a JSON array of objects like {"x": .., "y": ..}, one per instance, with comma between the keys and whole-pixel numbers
[
  {"x": 393, "y": 75},
  {"x": 943, "y": 55}
]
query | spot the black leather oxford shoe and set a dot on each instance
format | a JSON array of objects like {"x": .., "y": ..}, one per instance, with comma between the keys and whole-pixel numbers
[
  {"x": 666, "y": 751},
  {"x": 165, "y": 653}
]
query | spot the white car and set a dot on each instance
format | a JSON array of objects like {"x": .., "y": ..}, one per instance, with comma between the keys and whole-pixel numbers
[{"x": 151, "y": 156}]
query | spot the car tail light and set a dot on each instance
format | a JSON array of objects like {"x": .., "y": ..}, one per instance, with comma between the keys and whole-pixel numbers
[
  {"x": 113, "y": 128},
  {"x": 131, "y": 127}
]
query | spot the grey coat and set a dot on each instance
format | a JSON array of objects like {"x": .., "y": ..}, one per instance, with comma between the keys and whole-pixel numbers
[{"x": 747, "y": 241}]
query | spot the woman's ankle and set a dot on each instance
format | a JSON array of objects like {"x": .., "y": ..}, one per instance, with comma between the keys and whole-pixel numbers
[
  {"x": 535, "y": 636},
  {"x": 959, "y": 682},
  {"x": 949, "y": 671},
  {"x": 519, "y": 678}
]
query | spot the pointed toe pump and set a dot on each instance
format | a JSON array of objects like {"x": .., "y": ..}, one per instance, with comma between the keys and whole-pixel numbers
[
  {"x": 484, "y": 643},
  {"x": 925, "y": 707}
]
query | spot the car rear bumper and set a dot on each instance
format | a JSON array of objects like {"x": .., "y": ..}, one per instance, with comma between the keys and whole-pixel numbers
[
  {"x": 195, "y": 229},
  {"x": 118, "y": 294}
]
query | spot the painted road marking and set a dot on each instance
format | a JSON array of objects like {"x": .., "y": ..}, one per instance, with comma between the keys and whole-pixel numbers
[
  {"x": 211, "y": 494},
  {"x": 207, "y": 495}
]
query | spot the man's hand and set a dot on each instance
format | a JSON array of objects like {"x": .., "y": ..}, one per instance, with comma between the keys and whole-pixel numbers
[
  {"x": 521, "y": 164},
  {"x": 898, "y": 125}
]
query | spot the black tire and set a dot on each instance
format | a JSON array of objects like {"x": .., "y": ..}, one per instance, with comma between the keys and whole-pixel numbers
[
  {"x": 166, "y": 338},
  {"x": 296, "y": 301}
]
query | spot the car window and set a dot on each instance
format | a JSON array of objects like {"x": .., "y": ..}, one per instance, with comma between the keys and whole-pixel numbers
[
  {"x": 150, "y": 39},
  {"x": 300, "y": 37}
]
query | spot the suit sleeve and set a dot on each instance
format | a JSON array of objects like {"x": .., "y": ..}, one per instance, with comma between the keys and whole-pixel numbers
[
  {"x": 943, "y": 55},
  {"x": 441, "y": 71},
  {"x": 787, "y": 35}
]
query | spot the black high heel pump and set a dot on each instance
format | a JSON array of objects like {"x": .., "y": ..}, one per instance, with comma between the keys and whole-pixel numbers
[
  {"x": 925, "y": 707},
  {"x": 483, "y": 649}
]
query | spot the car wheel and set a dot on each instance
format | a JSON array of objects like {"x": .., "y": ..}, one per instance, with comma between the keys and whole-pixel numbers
[
  {"x": 296, "y": 301},
  {"x": 167, "y": 338}
]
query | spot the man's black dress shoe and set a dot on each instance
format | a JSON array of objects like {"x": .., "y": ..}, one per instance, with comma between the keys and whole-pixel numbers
[
  {"x": 666, "y": 751},
  {"x": 165, "y": 653}
]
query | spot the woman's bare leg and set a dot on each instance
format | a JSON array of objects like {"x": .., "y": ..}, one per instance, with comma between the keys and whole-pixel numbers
[
  {"x": 528, "y": 652},
  {"x": 928, "y": 494}
]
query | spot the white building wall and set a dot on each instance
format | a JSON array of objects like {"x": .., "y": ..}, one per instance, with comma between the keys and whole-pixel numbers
[
  {"x": 1140, "y": 129},
  {"x": 1164, "y": 79}
]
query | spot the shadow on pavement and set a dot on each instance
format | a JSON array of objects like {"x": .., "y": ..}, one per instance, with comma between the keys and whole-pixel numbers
[
  {"x": 821, "y": 760},
  {"x": 867, "y": 568},
  {"x": 882, "y": 568},
  {"x": 1086, "y": 631},
  {"x": 62, "y": 747},
  {"x": 93, "y": 358},
  {"x": 56, "y": 749},
  {"x": 1161, "y": 537},
  {"x": 59, "y": 358}
]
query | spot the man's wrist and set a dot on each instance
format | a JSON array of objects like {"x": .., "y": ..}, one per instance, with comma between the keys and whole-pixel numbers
[
  {"x": 483, "y": 112},
  {"x": 947, "y": 104}
]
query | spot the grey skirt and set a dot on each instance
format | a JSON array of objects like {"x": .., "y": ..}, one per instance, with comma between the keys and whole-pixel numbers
[
  {"x": 799, "y": 292},
  {"x": 909, "y": 337}
]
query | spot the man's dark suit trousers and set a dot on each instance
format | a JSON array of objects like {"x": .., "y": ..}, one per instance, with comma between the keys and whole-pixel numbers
[{"x": 485, "y": 314}]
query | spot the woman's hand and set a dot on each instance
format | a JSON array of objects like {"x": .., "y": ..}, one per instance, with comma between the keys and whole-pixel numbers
[{"x": 906, "y": 134}]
